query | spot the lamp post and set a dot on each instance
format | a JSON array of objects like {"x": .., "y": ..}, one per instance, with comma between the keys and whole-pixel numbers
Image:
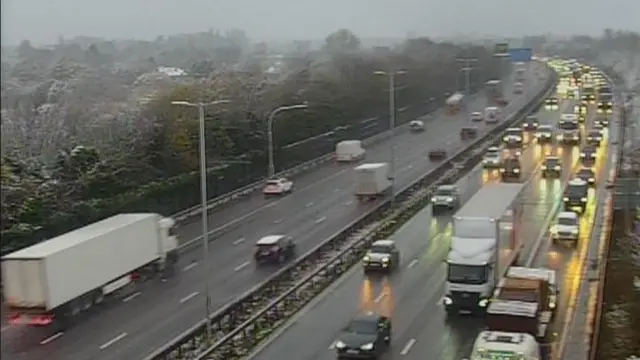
[
  {"x": 467, "y": 74},
  {"x": 272, "y": 168},
  {"x": 392, "y": 123},
  {"x": 203, "y": 200}
]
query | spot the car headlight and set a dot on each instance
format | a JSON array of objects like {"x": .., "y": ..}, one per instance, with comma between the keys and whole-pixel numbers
[
  {"x": 592, "y": 180},
  {"x": 593, "y": 155},
  {"x": 559, "y": 137},
  {"x": 386, "y": 259},
  {"x": 433, "y": 199},
  {"x": 574, "y": 232},
  {"x": 340, "y": 345},
  {"x": 447, "y": 300},
  {"x": 544, "y": 168},
  {"x": 368, "y": 346},
  {"x": 366, "y": 259},
  {"x": 575, "y": 137},
  {"x": 557, "y": 167},
  {"x": 505, "y": 138},
  {"x": 449, "y": 199},
  {"x": 516, "y": 170},
  {"x": 584, "y": 199},
  {"x": 566, "y": 198},
  {"x": 583, "y": 154},
  {"x": 502, "y": 170},
  {"x": 552, "y": 305},
  {"x": 483, "y": 303}
]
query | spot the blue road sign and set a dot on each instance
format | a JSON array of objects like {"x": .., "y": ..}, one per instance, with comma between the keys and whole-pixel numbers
[{"x": 520, "y": 54}]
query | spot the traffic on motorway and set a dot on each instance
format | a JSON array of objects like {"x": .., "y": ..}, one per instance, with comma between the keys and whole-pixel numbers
[
  {"x": 410, "y": 300},
  {"x": 151, "y": 314}
]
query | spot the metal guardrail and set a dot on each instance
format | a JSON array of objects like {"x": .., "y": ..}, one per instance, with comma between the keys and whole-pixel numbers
[
  {"x": 249, "y": 319},
  {"x": 299, "y": 169}
]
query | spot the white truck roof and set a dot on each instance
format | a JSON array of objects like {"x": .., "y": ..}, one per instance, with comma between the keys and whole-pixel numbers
[
  {"x": 548, "y": 275},
  {"x": 502, "y": 341},
  {"x": 455, "y": 98},
  {"x": 513, "y": 308},
  {"x": 491, "y": 201},
  {"x": 371, "y": 166},
  {"x": 567, "y": 215},
  {"x": 269, "y": 240},
  {"x": 78, "y": 236},
  {"x": 350, "y": 143}
]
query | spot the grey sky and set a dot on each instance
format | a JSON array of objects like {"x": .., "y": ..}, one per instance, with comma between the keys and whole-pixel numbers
[{"x": 42, "y": 21}]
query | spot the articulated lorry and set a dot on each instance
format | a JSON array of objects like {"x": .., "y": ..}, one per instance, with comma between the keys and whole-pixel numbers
[
  {"x": 486, "y": 241},
  {"x": 53, "y": 282},
  {"x": 495, "y": 93}
]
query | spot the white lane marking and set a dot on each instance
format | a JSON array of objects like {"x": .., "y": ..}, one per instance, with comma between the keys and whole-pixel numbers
[
  {"x": 407, "y": 347},
  {"x": 51, "y": 338},
  {"x": 336, "y": 190},
  {"x": 241, "y": 240},
  {"x": 348, "y": 203},
  {"x": 271, "y": 204},
  {"x": 318, "y": 221},
  {"x": 309, "y": 204},
  {"x": 131, "y": 297},
  {"x": 380, "y": 297},
  {"x": 6, "y": 327},
  {"x": 190, "y": 266},
  {"x": 412, "y": 263},
  {"x": 278, "y": 221},
  {"x": 113, "y": 341},
  {"x": 242, "y": 266},
  {"x": 333, "y": 345},
  {"x": 189, "y": 297}
]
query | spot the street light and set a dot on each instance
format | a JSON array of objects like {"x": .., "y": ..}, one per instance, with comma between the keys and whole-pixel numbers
[
  {"x": 203, "y": 200},
  {"x": 392, "y": 123},
  {"x": 272, "y": 168}
]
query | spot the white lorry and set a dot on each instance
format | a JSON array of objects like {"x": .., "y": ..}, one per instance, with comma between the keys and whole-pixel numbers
[
  {"x": 372, "y": 181},
  {"x": 486, "y": 241},
  {"x": 454, "y": 103},
  {"x": 349, "y": 151},
  {"x": 52, "y": 282},
  {"x": 492, "y": 114},
  {"x": 521, "y": 71}
]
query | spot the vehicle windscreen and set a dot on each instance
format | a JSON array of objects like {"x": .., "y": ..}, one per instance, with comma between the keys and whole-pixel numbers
[
  {"x": 467, "y": 274},
  {"x": 512, "y": 164},
  {"x": 566, "y": 221},
  {"x": 492, "y": 154},
  {"x": 568, "y": 125},
  {"x": 444, "y": 192},
  {"x": 544, "y": 129},
  {"x": 585, "y": 173},
  {"x": 552, "y": 162},
  {"x": 362, "y": 327},
  {"x": 513, "y": 132},
  {"x": 273, "y": 182},
  {"x": 594, "y": 133},
  {"x": 379, "y": 249}
]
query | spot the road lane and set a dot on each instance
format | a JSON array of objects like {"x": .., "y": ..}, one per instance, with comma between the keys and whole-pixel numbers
[
  {"x": 312, "y": 213},
  {"x": 412, "y": 295}
]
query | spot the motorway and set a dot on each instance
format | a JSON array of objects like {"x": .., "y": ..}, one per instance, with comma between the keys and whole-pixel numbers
[
  {"x": 412, "y": 296},
  {"x": 321, "y": 204}
]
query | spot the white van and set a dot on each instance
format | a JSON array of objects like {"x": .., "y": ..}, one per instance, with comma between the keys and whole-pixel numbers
[
  {"x": 349, "y": 150},
  {"x": 492, "y": 114}
]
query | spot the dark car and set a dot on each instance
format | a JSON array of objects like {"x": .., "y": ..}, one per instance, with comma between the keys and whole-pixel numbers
[
  {"x": 274, "y": 249},
  {"x": 544, "y": 134},
  {"x": 552, "y": 167},
  {"x": 551, "y": 101},
  {"x": 602, "y": 120},
  {"x": 446, "y": 197},
  {"x": 530, "y": 123},
  {"x": 510, "y": 169},
  {"x": 383, "y": 255},
  {"x": 576, "y": 195},
  {"x": 366, "y": 336},
  {"x": 594, "y": 137},
  {"x": 588, "y": 175},
  {"x": 588, "y": 155}
]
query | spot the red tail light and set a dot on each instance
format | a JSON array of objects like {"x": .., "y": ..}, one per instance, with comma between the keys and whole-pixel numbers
[{"x": 37, "y": 320}]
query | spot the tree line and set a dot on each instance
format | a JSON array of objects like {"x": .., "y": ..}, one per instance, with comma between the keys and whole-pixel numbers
[{"x": 157, "y": 170}]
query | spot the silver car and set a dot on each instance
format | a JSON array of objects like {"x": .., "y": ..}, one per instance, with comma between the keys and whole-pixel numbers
[{"x": 383, "y": 255}]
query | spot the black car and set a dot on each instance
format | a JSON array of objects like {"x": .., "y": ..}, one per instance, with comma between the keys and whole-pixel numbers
[
  {"x": 446, "y": 197},
  {"x": 588, "y": 175},
  {"x": 602, "y": 121},
  {"x": 594, "y": 137},
  {"x": 588, "y": 155},
  {"x": 552, "y": 167},
  {"x": 576, "y": 195},
  {"x": 383, "y": 255},
  {"x": 274, "y": 249},
  {"x": 530, "y": 123},
  {"x": 366, "y": 336},
  {"x": 544, "y": 134},
  {"x": 511, "y": 169},
  {"x": 551, "y": 101}
]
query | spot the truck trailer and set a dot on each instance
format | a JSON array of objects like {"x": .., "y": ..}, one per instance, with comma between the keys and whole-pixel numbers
[
  {"x": 372, "y": 181},
  {"x": 486, "y": 241},
  {"x": 53, "y": 282}
]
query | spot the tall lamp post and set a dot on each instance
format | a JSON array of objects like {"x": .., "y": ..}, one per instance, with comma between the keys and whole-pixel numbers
[
  {"x": 467, "y": 76},
  {"x": 391, "y": 75},
  {"x": 272, "y": 167},
  {"x": 203, "y": 199}
]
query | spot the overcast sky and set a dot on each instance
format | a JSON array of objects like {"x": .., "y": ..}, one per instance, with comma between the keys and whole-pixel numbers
[{"x": 42, "y": 21}]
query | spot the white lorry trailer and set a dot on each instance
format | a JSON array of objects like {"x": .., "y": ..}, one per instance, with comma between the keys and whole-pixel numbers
[
  {"x": 349, "y": 150},
  {"x": 372, "y": 181},
  {"x": 486, "y": 241},
  {"x": 52, "y": 282}
]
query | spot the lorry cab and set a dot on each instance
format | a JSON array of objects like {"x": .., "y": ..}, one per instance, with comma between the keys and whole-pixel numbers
[
  {"x": 491, "y": 345},
  {"x": 576, "y": 195},
  {"x": 416, "y": 126},
  {"x": 491, "y": 115}
]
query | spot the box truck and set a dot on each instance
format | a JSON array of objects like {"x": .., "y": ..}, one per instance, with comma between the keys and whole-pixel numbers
[
  {"x": 486, "y": 241},
  {"x": 372, "y": 181},
  {"x": 349, "y": 150},
  {"x": 53, "y": 282}
]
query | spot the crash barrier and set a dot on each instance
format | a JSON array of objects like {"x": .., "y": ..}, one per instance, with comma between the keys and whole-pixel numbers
[
  {"x": 240, "y": 325},
  {"x": 189, "y": 213}
]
